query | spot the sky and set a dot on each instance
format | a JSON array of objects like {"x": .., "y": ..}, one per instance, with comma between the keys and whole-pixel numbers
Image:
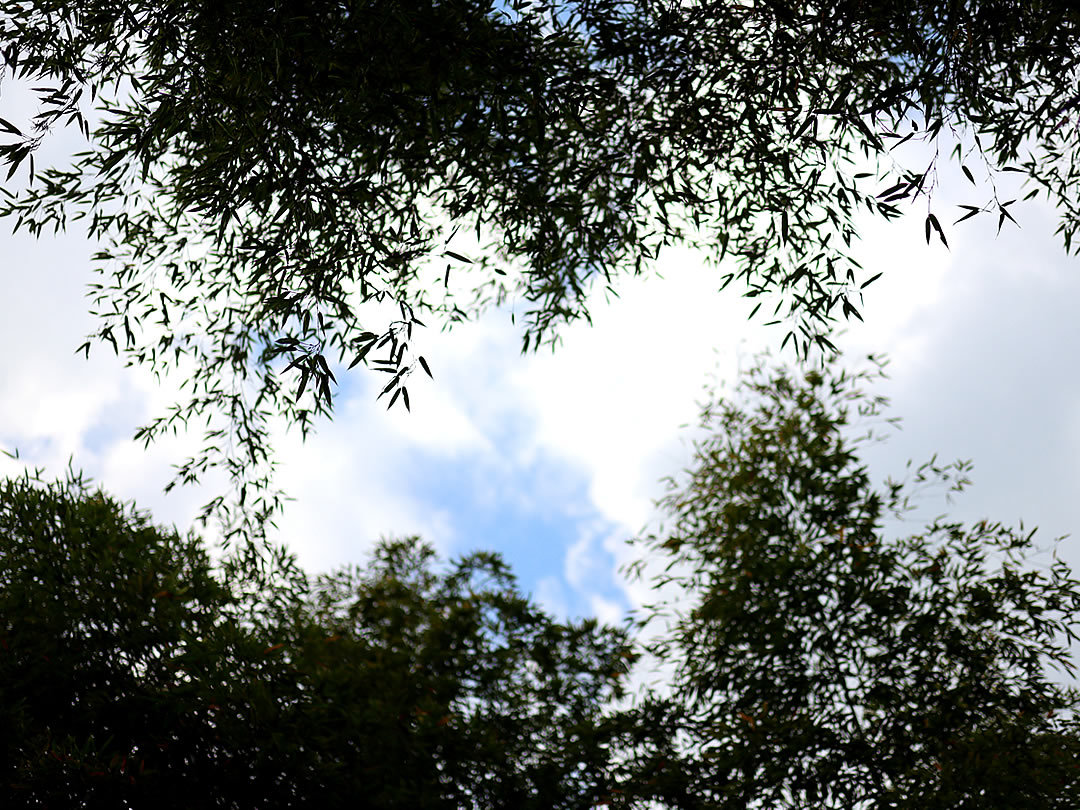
[{"x": 555, "y": 460}]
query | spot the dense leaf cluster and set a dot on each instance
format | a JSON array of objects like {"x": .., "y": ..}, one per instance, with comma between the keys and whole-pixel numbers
[
  {"x": 269, "y": 179},
  {"x": 133, "y": 673},
  {"x": 824, "y": 664},
  {"x": 814, "y": 661}
]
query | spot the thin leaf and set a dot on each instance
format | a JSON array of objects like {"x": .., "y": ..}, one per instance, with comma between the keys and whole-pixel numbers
[
  {"x": 325, "y": 367},
  {"x": 360, "y": 357},
  {"x": 932, "y": 220}
]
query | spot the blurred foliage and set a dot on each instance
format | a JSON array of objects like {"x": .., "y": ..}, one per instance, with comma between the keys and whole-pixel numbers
[
  {"x": 823, "y": 664},
  {"x": 134, "y": 673},
  {"x": 268, "y": 180}
]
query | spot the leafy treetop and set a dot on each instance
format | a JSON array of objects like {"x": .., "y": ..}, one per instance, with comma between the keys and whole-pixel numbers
[
  {"x": 133, "y": 673},
  {"x": 262, "y": 176},
  {"x": 823, "y": 663},
  {"x": 813, "y": 660}
]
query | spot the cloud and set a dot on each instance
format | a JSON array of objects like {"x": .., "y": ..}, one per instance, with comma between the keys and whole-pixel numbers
[
  {"x": 992, "y": 380},
  {"x": 612, "y": 399},
  {"x": 550, "y": 594},
  {"x": 56, "y": 405},
  {"x": 556, "y": 458},
  {"x": 353, "y": 481}
]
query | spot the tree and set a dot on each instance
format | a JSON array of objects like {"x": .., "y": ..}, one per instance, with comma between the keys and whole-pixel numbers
[
  {"x": 816, "y": 661},
  {"x": 824, "y": 663},
  {"x": 262, "y": 176},
  {"x": 134, "y": 673}
]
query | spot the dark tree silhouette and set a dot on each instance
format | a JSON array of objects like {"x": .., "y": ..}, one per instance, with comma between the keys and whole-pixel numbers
[
  {"x": 133, "y": 673},
  {"x": 816, "y": 661},
  {"x": 824, "y": 663}
]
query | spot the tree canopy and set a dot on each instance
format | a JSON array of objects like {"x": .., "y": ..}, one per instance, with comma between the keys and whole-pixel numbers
[
  {"x": 133, "y": 673},
  {"x": 823, "y": 661},
  {"x": 814, "y": 658},
  {"x": 268, "y": 179}
]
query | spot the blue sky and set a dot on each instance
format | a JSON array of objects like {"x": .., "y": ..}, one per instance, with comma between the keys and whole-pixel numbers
[{"x": 554, "y": 459}]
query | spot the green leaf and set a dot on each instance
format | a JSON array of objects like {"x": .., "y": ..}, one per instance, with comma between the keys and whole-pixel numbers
[
  {"x": 932, "y": 220},
  {"x": 111, "y": 161},
  {"x": 325, "y": 367},
  {"x": 389, "y": 386},
  {"x": 850, "y": 310},
  {"x": 972, "y": 210}
]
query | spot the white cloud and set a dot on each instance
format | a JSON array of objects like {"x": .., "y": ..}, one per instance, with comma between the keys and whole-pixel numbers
[
  {"x": 351, "y": 483},
  {"x": 612, "y": 399},
  {"x": 977, "y": 337},
  {"x": 56, "y": 405},
  {"x": 606, "y": 610},
  {"x": 437, "y": 422},
  {"x": 582, "y": 562},
  {"x": 551, "y": 596}
]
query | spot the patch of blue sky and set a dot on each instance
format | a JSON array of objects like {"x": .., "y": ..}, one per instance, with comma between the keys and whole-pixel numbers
[
  {"x": 25, "y": 448},
  {"x": 533, "y": 514},
  {"x": 494, "y": 489},
  {"x": 113, "y": 425}
]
